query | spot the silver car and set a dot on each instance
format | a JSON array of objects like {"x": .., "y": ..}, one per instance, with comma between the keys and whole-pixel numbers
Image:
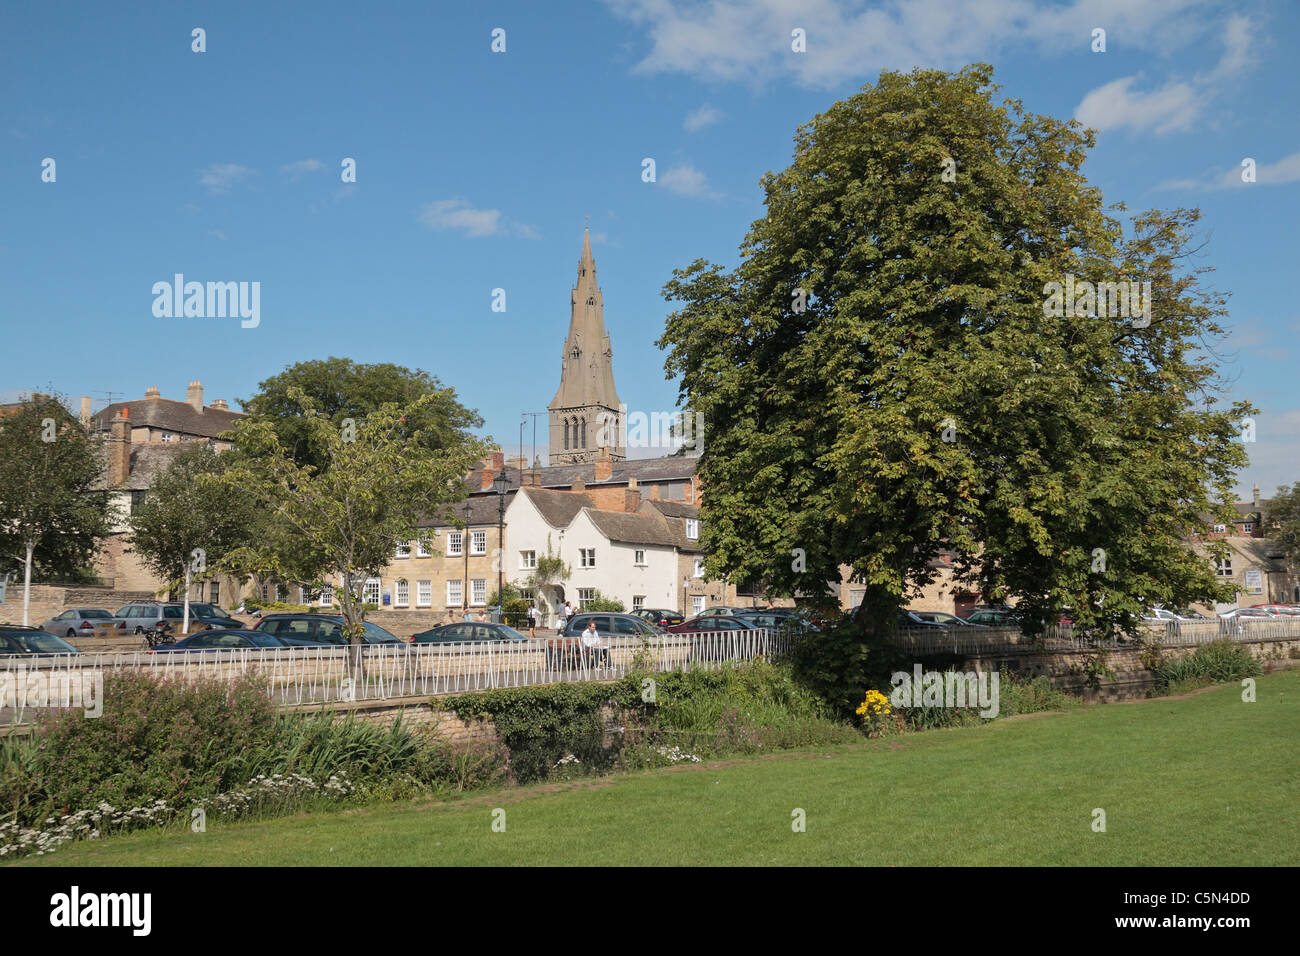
[{"x": 79, "y": 621}]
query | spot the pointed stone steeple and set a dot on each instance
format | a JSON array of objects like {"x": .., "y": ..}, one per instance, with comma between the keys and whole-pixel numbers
[{"x": 585, "y": 411}]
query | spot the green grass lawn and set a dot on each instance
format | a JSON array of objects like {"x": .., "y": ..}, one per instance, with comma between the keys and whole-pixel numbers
[{"x": 1203, "y": 780}]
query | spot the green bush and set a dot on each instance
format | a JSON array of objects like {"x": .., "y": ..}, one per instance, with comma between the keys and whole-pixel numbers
[
  {"x": 598, "y": 602},
  {"x": 1215, "y": 663},
  {"x": 839, "y": 663}
]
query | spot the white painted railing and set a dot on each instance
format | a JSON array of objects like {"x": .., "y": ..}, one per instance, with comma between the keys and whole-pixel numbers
[{"x": 313, "y": 675}]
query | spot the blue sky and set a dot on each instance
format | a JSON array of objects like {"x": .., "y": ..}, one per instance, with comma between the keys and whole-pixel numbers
[{"x": 476, "y": 170}]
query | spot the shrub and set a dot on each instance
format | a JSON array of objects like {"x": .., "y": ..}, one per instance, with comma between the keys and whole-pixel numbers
[
  {"x": 1215, "y": 663},
  {"x": 836, "y": 664}
]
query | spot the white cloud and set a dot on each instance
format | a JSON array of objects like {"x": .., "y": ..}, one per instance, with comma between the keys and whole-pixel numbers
[
  {"x": 698, "y": 119},
  {"x": 219, "y": 177},
  {"x": 1175, "y": 105},
  {"x": 1285, "y": 170},
  {"x": 458, "y": 214},
  {"x": 686, "y": 180},
  {"x": 1115, "y": 106},
  {"x": 749, "y": 40},
  {"x": 301, "y": 168}
]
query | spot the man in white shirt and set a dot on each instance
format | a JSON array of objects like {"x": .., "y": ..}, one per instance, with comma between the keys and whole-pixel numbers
[{"x": 591, "y": 641}]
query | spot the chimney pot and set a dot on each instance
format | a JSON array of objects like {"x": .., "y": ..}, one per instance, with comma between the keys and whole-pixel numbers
[{"x": 220, "y": 403}]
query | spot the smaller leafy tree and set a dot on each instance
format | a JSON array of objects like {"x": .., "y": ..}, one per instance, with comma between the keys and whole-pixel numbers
[
  {"x": 53, "y": 510},
  {"x": 189, "y": 522},
  {"x": 339, "y": 522}
]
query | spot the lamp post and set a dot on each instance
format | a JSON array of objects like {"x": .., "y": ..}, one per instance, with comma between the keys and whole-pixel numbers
[
  {"x": 464, "y": 549},
  {"x": 501, "y": 484}
]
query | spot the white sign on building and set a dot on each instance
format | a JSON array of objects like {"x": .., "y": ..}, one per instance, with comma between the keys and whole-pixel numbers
[{"x": 1254, "y": 581}]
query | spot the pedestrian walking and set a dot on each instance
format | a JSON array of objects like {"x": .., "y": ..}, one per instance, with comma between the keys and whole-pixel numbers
[
  {"x": 532, "y": 619},
  {"x": 563, "y": 613}
]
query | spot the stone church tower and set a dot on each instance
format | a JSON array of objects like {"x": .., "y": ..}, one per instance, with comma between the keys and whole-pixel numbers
[{"x": 585, "y": 414}]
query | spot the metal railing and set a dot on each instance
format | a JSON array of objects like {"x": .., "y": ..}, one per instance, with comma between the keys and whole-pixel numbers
[
  {"x": 318, "y": 675},
  {"x": 1062, "y": 638}
]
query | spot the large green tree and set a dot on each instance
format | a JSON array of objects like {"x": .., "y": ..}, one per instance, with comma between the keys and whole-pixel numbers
[
  {"x": 885, "y": 374},
  {"x": 53, "y": 509},
  {"x": 189, "y": 521},
  {"x": 340, "y": 522},
  {"x": 340, "y": 389}
]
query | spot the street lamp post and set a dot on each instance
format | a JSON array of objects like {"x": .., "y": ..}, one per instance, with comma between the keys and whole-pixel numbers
[
  {"x": 464, "y": 549},
  {"x": 501, "y": 484}
]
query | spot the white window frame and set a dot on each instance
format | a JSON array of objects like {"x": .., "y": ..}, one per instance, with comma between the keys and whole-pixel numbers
[
  {"x": 1223, "y": 567},
  {"x": 327, "y": 595},
  {"x": 373, "y": 586},
  {"x": 586, "y": 557},
  {"x": 478, "y": 592},
  {"x": 455, "y": 544},
  {"x": 527, "y": 560},
  {"x": 455, "y": 592},
  {"x": 423, "y": 548},
  {"x": 1220, "y": 528},
  {"x": 1248, "y": 527},
  {"x": 402, "y": 593},
  {"x": 478, "y": 543},
  {"x": 698, "y": 570},
  {"x": 304, "y": 594},
  {"x": 585, "y": 595},
  {"x": 403, "y": 550},
  {"x": 693, "y": 529},
  {"x": 424, "y": 593},
  {"x": 697, "y": 605},
  {"x": 638, "y": 602},
  {"x": 638, "y": 557}
]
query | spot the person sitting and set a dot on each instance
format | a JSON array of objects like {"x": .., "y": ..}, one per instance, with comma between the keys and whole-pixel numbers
[{"x": 591, "y": 642}]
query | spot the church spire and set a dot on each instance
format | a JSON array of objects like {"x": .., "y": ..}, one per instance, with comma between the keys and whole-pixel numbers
[{"x": 586, "y": 408}]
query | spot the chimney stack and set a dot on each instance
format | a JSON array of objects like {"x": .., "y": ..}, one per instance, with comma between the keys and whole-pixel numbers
[
  {"x": 532, "y": 478},
  {"x": 221, "y": 404},
  {"x": 654, "y": 492},
  {"x": 578, "y": 485},
  {"x": 485, "y": 480},
  {"x": 85, "y": 411},
  {"x": 1255, "y": 497},
  {"x": 119, "y": 448},
  {"x": 604, "y": 465},
  {"x": 152, "y": 392},
  {"x": 194, "y": 396},
  {"x": 632, "y": 497}
]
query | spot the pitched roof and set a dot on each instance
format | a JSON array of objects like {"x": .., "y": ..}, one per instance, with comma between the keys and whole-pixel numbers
[
  {"x": 558, "y": 508},
  {"x": 678, "y": 467},
  {"x": 166, "y": 413},
  {"x": 674, "y": 509},
  {"x": 484, "y": 510},
  {"x": 633, "y": 528}
]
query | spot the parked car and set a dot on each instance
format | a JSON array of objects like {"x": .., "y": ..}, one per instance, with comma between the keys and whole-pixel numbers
[
  {"x": 473, "y": 633},
  {"x": 722, "y": 611},
  {"x": 1254, "y": 612},
  {"x": 909, "y": 620},
  {"x": 779, "y": 620},
  {"x": 20, "y": 639},
  {"x": 221, "y": 639},
  {"x": 610, "y": 625},
  {"x": 84, "y": 621},
  {"x": 211, "y": 614},
  {"x": 1281, "y": 610},
  {"x": 993, "y": 616},
  {"x": 659, "y": 618},
  {"x": 704, "y": 623},
  {"x": 943, "y": 619},
  {"x": 147, "y": 615},
  {"x": 315, "y": 630}
]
